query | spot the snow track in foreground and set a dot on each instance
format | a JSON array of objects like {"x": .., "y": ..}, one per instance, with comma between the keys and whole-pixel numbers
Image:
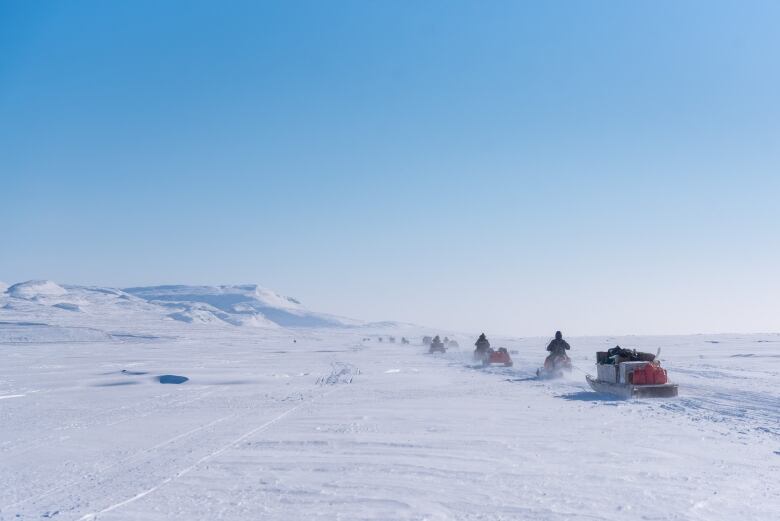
[
  {"x": 202, "y": 460},
  {"x": 153, "y": 467},
  {"x": 121, "y": 463}
]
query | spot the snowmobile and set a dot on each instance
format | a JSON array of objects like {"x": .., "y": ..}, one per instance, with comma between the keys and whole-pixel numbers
[
  {"x": 486, "y": 355},
  {"x": 629, "y": 374},
  {"x": 437, "y": 346},
  {"x": 498, "y": 357},
  {"x": 555, "y": 366}
]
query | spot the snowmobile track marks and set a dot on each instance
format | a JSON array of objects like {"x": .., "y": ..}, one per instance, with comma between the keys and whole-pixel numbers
[
  {"x": 211, "y": 455},
  {"x": 341, "y": 373}
]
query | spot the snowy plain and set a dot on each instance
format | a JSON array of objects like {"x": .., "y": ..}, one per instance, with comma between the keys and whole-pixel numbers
[{"x": 284, "y": 414}]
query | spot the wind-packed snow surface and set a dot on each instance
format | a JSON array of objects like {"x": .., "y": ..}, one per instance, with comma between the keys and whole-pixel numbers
[{"x": 111, "y": 408}]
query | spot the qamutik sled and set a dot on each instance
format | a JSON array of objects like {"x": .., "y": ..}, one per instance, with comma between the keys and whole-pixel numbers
[{"x": 628, "y": 374}]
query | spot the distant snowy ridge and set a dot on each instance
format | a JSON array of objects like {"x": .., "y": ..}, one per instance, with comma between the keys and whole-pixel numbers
[
  {"x": 221, "y": 294},
  {"x": 245, "y": 306},
  {"x": 35, "y": 289},
  {"x": 238, "y": 305}
]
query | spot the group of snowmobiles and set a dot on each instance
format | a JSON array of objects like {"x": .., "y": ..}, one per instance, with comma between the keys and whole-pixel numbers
[
  {"x": 437, "y": 345},
  {"x": 485, "y": 355},
  {"x": 625, "y": 373}
]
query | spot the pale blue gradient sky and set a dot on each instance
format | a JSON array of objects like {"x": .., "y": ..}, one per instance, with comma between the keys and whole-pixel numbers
[{"x": 596, "y": 167}]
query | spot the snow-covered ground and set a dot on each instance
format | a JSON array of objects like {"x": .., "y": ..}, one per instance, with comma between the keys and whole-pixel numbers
[{"x": 289, "y": 414}]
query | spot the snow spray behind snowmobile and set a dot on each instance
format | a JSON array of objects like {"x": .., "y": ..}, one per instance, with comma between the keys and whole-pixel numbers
[{"x": 555, "y": 366}]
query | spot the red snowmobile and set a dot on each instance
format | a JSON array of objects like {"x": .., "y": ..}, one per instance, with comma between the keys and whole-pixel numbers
[
  {"x": 486, "y": 355},
  {"x": 498, "y": 357}
]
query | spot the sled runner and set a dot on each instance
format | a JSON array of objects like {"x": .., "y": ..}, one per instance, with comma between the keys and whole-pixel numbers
[{"x": 626, "y": 391}]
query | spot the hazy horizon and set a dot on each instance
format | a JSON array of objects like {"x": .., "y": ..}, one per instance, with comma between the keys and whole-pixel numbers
[{"x": 434, "y": 328}]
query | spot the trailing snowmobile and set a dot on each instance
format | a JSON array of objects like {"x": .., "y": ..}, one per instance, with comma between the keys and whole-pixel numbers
[
  {"x": 486, "y": 355},
  {"x": 437, "y": 346},
  {"x": 630, "y": 374},
  {"x": 498, "y": 357}
]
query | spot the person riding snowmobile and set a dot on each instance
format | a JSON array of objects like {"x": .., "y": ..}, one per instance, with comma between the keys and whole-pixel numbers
[
  {"x": 557, "y": 349},
  {"x": 482, "y": 344},
  {"x": 482, "y": 350},
  {"x": 559, "y": 346}
]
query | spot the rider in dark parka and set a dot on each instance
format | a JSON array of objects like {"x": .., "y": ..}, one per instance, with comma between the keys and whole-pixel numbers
[{"x": 558, "y": 346}]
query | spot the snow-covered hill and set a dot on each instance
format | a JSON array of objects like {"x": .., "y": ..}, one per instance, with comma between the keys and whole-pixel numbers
[
  {"x": 65, "y": 311},
  {"x": 36, "y": 289},
  {"x": 238, "y": 305}
]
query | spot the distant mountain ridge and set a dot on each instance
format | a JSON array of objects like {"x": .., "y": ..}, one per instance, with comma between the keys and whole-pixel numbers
[
  {"x": 238, "y": 305},
  {"x": 247, "y": 305}
]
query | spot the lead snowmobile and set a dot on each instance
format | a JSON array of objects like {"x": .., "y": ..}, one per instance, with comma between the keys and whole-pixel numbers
[{"x": 557, "y": 362}]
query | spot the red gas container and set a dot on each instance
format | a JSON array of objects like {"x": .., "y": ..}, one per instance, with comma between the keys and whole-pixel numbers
[
  {"x": 638, "y": 377},
  {"x": 650, "y": 373},
  {"x": 660, "y": 375}
]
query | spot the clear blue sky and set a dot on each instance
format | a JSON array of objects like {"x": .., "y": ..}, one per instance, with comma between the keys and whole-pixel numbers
[{"x": 518, "y": 167}]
